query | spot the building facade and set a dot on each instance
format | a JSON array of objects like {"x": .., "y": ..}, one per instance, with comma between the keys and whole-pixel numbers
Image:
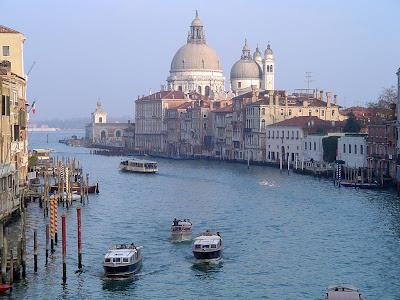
[
  {"x": 352, "y": 149},
  {"x": 13, "y": 123},
  {"x": 102, "y": 133}
]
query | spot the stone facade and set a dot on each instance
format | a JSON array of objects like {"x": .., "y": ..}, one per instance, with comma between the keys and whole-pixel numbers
[
  {"x": 100, "y": 132},
  {"x": 352, "y": 149},
  {"x": 13, "y": 123}
]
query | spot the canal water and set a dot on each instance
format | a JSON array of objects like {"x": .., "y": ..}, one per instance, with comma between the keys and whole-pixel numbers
[{"x": 285, "y": 236}]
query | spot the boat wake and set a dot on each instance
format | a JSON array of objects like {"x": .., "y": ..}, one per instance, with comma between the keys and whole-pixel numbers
[{"x": 268, "y": 183}]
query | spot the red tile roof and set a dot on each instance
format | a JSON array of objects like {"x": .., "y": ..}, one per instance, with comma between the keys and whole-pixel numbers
[
  {"x": 226, "y": 109},
  {"x": 4, "y": 29},
  {"x": 306, "y": 121}
]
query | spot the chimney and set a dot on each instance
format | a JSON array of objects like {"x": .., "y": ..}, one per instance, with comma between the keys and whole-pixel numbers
[
  {"x": 335, "y": 99},
  {"x": 328, "y": 99},
  {"x": 270, "y": 96},
  {"x": 277, "y": 99},
  {"x": 286, "y": 103},
  {"x": 321, "y": 94}
]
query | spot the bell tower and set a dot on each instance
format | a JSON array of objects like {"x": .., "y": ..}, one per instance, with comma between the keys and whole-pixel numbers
[
  {"x": 269, "y": 69},
  {"x": 99, "y": 115}
]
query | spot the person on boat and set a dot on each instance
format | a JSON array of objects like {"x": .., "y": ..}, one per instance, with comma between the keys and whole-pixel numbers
[{"x": 175, "y": 222}]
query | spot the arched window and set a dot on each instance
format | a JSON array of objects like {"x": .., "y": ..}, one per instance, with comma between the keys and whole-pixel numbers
[
  {"x": 263, "y": 124},
  {"x": 100, "y": 120},
  {"x": 271, "y": 68},
  {"x": 207, "y": 90},
  {"x": 103, "y": 135},
  {"x": 118, "y": 133},
  {"x": 267, "y": 68},
  {"x": 199, "y": 89},
  {"x": 263, "y": 112},
  {"x": 349, "y": 148}
]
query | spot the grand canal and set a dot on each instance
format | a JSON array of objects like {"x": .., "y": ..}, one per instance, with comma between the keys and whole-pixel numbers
[{"x": 286, "y": 237}]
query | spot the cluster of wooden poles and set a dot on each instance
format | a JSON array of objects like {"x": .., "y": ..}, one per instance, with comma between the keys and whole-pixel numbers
[{"x": 51, "y": 235}]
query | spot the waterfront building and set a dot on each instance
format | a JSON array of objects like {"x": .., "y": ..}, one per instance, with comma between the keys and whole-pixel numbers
[
  {"x": 251, "y": 71},
  {"x": 382, "y": 151},
  {"x": 151, "y": 119},
  {"x": 222, "y": 132},
  {"x": 255, "y": 110},
  {"x": 398, "y": 111},
  {"x": 102, "y": 133},
  {"x": 288, "y": 140},
  {"x": 13, "y": 124},
  {"x": 352, "y": 149},
  {"x": 196, "y": 66}
]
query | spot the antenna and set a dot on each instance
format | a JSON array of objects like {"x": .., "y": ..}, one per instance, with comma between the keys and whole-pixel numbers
[
  {"x": 308, "y": 79},
  {"x": 30, "y": 69}
]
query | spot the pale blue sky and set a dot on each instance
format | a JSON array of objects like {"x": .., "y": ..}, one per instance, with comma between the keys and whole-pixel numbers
[{"x": 118, "y": 49}]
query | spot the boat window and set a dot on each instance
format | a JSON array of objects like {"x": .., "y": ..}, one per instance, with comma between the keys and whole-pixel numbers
[
  {"x": 107, "y": 260},
  {"x": 125, "y": 259},
  {"x": 197, "y": 246},
  {"x": 206, "y": 246},
  {"x": 116, "y": 259},
  {"x": 213, "y": 246}
]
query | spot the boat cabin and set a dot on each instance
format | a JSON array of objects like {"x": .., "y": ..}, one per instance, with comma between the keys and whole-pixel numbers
[
  {"x": 343, "y": 292},
  {"x": 138, "y": 165}
]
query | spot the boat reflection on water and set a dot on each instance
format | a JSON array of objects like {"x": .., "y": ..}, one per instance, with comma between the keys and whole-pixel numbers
[
  {"x": 119, "y": 284},
  {"x": 208, "y": 268}
]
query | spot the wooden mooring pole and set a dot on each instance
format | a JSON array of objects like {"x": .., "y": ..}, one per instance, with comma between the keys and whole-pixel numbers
[
  {"x": 35, "y": 251},
  {"x": 4, "y": 261},
  {"x": 47, "y": 243},
  {"x": 78, "y": 215},
  {"x": 64, "y": 247}
]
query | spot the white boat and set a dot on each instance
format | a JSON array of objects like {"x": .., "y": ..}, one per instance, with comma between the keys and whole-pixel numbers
[
  {"x": 123, "y": 260},
  {"x": 181, "y": 230},
  {"x": 343, "y": 292},
  {"x": 207, "y": 247},
  {"x": 139, "y": 166}
]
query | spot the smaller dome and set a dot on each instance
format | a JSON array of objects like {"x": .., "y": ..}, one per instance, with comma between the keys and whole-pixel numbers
[
  {"x": 268, "y": 51},
  {"x": 246, "y": 69}
]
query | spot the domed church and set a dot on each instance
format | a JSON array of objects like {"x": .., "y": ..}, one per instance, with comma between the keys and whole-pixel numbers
[
  {"x": 253, "y": 71},
  {"x": 196, "y": 66}
]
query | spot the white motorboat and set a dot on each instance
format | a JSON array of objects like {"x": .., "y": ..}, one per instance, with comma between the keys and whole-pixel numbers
[
  {"x": 123, "y": 260},
  {"x": 207, "y": 247},
  {"x": 343, "y": 292},
  {"x": 139, "y": 166},
  {"x": 181, "y": 230}
]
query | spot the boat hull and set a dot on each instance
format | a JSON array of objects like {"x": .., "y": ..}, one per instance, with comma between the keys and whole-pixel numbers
[
  {"x": 181, "y": 237},
  {"x": 130, "y": 170},
  {"x": 207, "y": 256},
  {"x": 122, "y": 270}
]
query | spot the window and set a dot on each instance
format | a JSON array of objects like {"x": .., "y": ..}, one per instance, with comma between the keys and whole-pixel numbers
[
  {"x": 125, "y": 259},
  {"x": 199, "y": 89},
  {"x": 263, "y": 111},
  {"x": 344, "y": 148},
  {"x": 322, "y": 112},
  {"x": 117, "y": 259},
  {"x": 290, "y": 112},
  {"x": 292, "y": 134},
  {"x": 239, "y": 85},
  {"x": 5, "y": 105},
  {"x": 207, "y": 91},
  {"x": 100, "y": 120},
  {"x": 305, "y": 145},
  {"x": 287, "y": 137},
  {"x": 355, "y": 149},
  {"x": 361, "y": 149},
  {"x": 263, "y": 124},
  {"x": 6, "y": 50},
  {"x": 349, "y": 148},
  {"x": 269, "y": 133},
  {"x": 180, "y": 88},
  {"x": 270, "y": 68},
  {"x": 309, "y": 112},
  {"x": 297, "y": 135},
  {"x": 315, "y": 146},
  {"x": 16, "y": 132},
  {"x": 118, "y": 133},
  {"x": 107, "y": 260},
  {"x": 267, "y": 68}
]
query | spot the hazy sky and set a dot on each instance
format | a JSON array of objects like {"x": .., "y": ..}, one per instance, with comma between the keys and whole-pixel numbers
[{"x": 116, "y": 49}]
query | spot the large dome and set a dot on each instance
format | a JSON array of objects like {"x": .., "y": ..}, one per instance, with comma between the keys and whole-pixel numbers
[
  {"x": 246, "y": 69},
  {"x": 193, "y": 56}
]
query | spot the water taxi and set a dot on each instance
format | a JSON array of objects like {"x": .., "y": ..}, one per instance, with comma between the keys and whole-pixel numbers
[
  {"x": 123, "y": 260},
  {"x": 207, "y": 247},
  {"x": 139, "y": 166},
  {"x": 181, "y": 230},
  {"x": 343, "y": 292}
]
